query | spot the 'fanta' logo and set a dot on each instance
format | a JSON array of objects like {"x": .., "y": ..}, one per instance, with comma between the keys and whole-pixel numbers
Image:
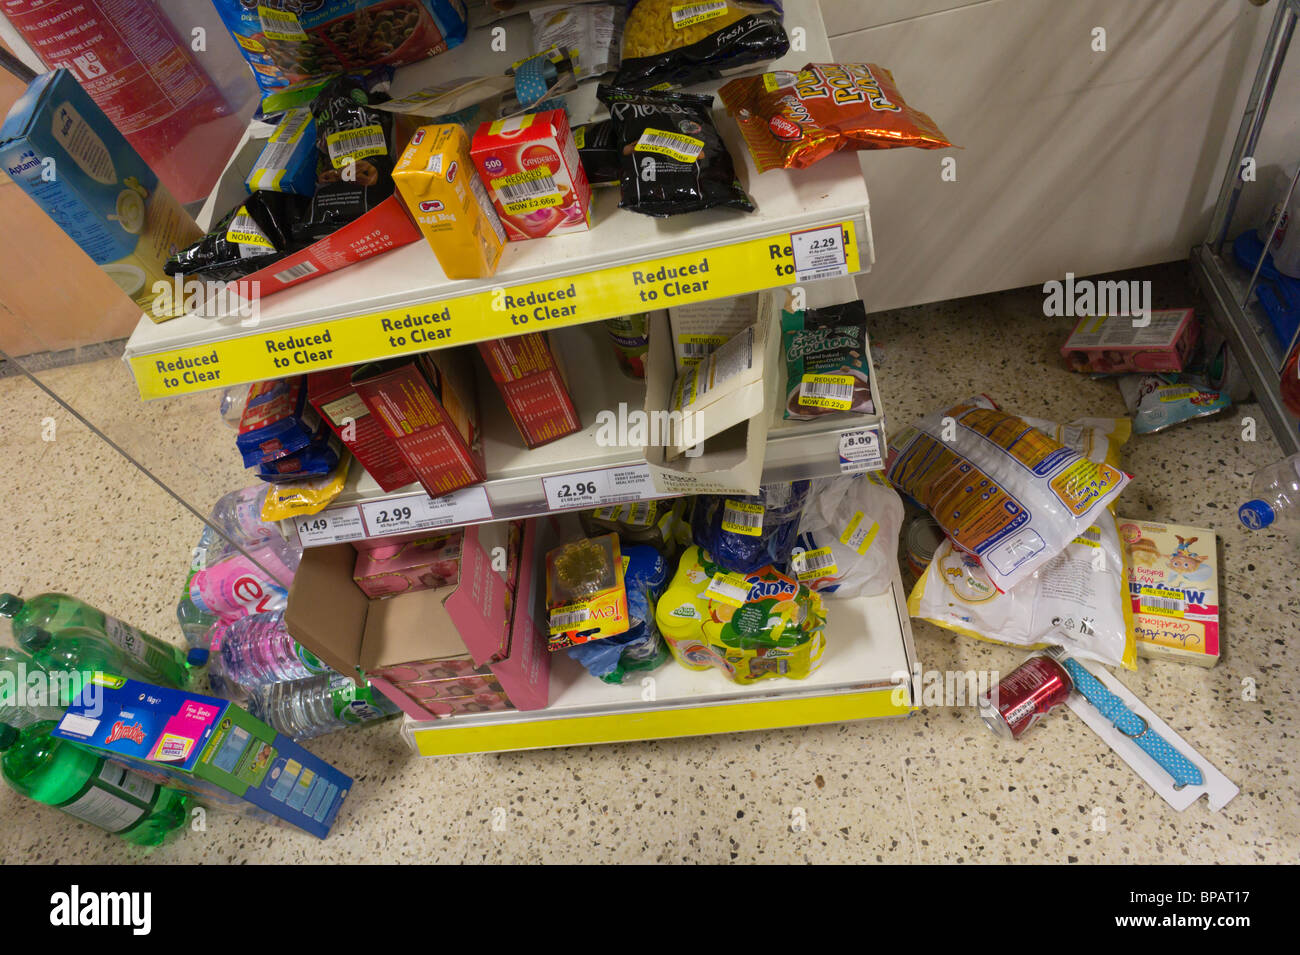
[
  {"x": 132, "y": 731},
  {"x": 778, "y": 589}
]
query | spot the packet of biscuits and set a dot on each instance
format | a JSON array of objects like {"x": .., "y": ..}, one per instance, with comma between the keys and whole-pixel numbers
[{"x": 827, "y": 369}]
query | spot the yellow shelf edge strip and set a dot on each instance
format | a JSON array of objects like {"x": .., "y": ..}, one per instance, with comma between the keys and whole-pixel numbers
[
  {"x": 721, "y": 272},
  {"x": 657, "y": 724}
]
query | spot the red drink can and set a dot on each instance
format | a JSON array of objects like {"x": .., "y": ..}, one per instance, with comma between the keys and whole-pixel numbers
[{"x": 1024, "y": 695}]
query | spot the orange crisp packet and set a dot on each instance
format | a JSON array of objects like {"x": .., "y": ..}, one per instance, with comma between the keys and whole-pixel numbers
[{"x": 792, "y": 120}]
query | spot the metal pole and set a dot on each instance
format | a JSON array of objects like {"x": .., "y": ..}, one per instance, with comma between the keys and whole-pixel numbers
[{"x": 1252, "y": 121}]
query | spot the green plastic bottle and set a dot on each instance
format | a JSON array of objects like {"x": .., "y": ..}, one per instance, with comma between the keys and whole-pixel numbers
[
  {"x": 26, "y": 692},
  {"x": 164, "y": 663},
  {"x": 75, "y": 780},
  {"x": 79, "y": 650}
]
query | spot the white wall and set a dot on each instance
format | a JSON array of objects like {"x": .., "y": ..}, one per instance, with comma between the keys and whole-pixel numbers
[{"x": 1073, "y": 160}]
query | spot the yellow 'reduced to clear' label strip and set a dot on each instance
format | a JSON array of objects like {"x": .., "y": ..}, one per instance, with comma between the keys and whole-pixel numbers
[{"x": 722, "y": 272}]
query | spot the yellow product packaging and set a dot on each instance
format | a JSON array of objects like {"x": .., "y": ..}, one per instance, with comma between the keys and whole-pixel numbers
[
  {"x": 304, "y": 498},
  {"x": 436, "y": 178},
  {"x": 586, "y": 598},
  {"x": 750, "y": 626}
]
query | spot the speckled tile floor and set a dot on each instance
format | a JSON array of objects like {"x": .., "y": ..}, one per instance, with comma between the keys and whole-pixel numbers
[{"x": 934, "y": 787}]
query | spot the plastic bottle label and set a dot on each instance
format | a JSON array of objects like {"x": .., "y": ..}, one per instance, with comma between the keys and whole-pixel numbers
[
  {"x": 116, "y": 800},
  {"x": 126, "y": 637}
]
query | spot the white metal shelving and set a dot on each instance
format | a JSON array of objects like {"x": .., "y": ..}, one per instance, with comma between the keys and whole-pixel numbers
[{"x": 354, "y": 301}]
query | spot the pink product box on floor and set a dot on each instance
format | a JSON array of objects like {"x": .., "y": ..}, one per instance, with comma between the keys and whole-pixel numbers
[
  {"x": 1109, "y": 344},
  {"x": 485, "y": 624},
  {"x": 386, "y": 568}
]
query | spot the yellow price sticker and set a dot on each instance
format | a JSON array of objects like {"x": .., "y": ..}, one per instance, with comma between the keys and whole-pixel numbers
[
  {"x": 858, "y": 534},
  {"x": 741, "y": 517}
]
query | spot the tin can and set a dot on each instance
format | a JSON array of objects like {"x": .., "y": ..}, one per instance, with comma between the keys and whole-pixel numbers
[
  {"x": 923, "y": 537},
  {"x": 1024, "y": 695}
]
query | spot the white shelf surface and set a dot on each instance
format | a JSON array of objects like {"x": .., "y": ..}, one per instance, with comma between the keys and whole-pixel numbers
[
  {"x": 796, "y": 450},
  {"x": 832, "y": 191},
  {"x": 869, "y": 650}
]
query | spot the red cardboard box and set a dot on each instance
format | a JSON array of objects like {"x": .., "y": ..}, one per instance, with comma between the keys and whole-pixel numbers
[
  {"x": 331, "y": 393},
  {"x": 531, "y": 169},
  {"x": 532, "y": 386},
  {"x": 384, "y": 227},
  {"x": 426, "y": 404}
]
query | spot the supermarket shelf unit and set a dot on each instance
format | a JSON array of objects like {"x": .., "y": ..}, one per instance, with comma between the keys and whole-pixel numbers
[
  {"x": 1225, "y": 284},
  {"x": 870, "y": 655}
]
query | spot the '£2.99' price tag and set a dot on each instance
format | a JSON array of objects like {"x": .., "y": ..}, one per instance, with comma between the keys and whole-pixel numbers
[
  {"x": 419, "y": 511},
  {"x": 332, "y": 526}
]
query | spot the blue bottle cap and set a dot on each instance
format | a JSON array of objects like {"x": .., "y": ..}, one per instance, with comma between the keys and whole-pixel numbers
[
  {"x": 197, "y": 657},
  {"x": 1256, "y": 514}
]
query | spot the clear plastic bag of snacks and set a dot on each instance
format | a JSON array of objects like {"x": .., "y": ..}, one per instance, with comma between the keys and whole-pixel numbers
[{"x": 1003, "y": 491}]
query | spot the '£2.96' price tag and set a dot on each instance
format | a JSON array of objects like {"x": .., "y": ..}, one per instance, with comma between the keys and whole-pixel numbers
[{"x": 583, "y": 489}]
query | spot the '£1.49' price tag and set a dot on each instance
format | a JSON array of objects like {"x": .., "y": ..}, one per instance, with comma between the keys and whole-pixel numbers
[{"x": 331, "y": 526}]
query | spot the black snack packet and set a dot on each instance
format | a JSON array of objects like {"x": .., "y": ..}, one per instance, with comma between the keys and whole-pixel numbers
[
  {"x": 673, "y": 158},
  {"x": 355, "y": 169},
  {"x": 249, "y": 237},
  {"x": 664, "y": 44},
  {"x": 599, "y": 152}
]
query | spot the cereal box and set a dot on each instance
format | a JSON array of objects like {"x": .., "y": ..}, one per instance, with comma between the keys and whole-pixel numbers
[{"x": 1173, "y": 574}]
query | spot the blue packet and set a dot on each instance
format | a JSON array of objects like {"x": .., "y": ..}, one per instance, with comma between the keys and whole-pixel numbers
[
  {"x": 745, "y": 534},
  {"x": 1157, "y": 402},
  {"x": 288, "y": 160},
  {"x": 319, "y": 457}
]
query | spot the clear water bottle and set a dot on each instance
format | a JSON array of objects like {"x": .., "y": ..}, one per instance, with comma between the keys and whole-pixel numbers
[
  {"x": 26, "y": 692},
  {"x": 256, "y": 651},
  {"x": 323, "y": 704},
  {"x": 1275, "y": 498},
  {"x": 239, "y": 516}
]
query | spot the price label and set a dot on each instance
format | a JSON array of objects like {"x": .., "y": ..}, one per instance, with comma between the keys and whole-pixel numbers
[
  {"x": 860, "y": 451},
  {"x": 819, "y": 253},
  {"x": 417, "y": 512},
  {"x": 583, "y": 489},
  {"x": 331, "y": 526}
]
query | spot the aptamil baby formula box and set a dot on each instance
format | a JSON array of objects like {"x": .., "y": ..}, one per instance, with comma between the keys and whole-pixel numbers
[{"x": 65, "y": 153}]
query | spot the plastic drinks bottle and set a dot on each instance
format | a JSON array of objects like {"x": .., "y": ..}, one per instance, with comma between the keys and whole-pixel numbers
[
  {"x": 78, "y": 650},
  {"x": 19, "y": 705},
  {"x": 75, "y": 780},
  {"x": 313, "y": 707},
  {"x": 162, "y": 662},
  {"x": 257, "y": 650},
  {"x": 1275, "y": 498}
]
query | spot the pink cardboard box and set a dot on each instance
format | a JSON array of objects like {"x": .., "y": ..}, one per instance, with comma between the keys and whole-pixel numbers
[
  {"x": 390, "y": 569},
  {"x": 1109, "y": 344},
  {"x": 479, "y": 621}
]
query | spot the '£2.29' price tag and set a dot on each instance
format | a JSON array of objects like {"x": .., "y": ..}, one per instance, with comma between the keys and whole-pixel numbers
[{"x": 819, "y": 253}]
